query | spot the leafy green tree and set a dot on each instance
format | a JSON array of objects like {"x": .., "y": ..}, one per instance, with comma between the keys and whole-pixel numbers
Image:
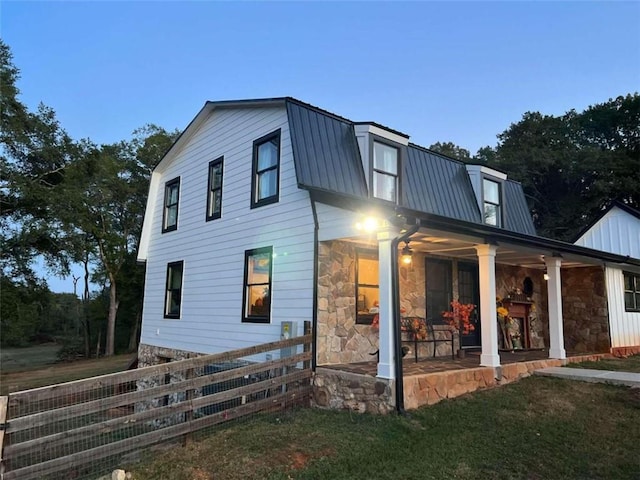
[
  {"x": 572, "y": 165},
  {"x": 104, "y": 197},
  {"x": 452, "y": 150},
  {"x": 34, "y": 153}
]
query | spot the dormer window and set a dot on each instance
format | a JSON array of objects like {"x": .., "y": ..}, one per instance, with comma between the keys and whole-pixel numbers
[
  {"x": 492, "y": 212},
  {"x": 385, "y": 172}
]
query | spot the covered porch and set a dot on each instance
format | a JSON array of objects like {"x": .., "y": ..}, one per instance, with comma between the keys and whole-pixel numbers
[{"x": 355, "y": 386}]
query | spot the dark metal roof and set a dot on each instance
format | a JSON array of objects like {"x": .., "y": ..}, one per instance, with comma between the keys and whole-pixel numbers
[
  {"x": 436, "y": 184},
  {"x": 517, "y": 216},
  {"x": 325, "y": 151}
]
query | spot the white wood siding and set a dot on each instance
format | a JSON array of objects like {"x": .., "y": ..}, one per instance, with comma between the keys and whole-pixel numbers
[
  {"x": 624, "y": 326},
  {"x": 335, "y": 223},
  {"x": 616, "y": 232},
  {"x": 213, "y": 252}
]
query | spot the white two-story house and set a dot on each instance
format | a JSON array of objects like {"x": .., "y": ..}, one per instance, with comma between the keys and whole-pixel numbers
[{"x": 273, "y": 210}]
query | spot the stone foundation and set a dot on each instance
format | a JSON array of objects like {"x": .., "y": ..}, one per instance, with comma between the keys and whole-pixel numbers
[
  {"x": 334, "y": 389},
  {"x": 430, "y": 388},
  {"x": 150, "y": 355},
  {"x": 624, "y": 352},
  {"x": 585, "y": 310}
]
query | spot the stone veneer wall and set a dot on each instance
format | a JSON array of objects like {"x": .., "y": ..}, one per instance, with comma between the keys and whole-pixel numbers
[
  {"x": 150, "y": 355},
  {"x": 339, "y": 338},
  {"x": 338, "y": 390},
  {"x": 585, "y": 310},
  {"x": 509, "y": 278}
]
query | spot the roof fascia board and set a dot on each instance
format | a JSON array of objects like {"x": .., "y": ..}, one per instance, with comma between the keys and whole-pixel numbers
[
  {"x": 202, "y": 116},
  {"x": 488, "y": 233},
  {"x": 486, "y": 171},
  {"x": 381, "y": 132}
]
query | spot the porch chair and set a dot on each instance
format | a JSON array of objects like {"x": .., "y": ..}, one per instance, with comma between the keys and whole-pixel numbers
[{"x": 431, "y": 337}]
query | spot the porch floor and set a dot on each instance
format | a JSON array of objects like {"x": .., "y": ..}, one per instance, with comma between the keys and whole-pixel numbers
[{"x": 441, "y": 364}]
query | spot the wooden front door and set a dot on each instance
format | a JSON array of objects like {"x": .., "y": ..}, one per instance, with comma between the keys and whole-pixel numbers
[{"x": 469, "y": 292}]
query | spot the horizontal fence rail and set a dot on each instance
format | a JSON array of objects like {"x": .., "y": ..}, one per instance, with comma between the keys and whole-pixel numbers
[{"x": 85, "y": 427}]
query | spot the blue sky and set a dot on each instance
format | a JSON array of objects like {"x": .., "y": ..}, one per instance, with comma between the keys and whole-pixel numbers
[{"x": 454, "y": 71}]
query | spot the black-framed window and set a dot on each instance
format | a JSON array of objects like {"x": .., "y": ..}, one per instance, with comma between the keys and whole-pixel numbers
[
  {"x": 173, "y": 291},
  {"x": 385, "y": 171},
  {"x": 214, "y": 189},
  {"x": 631, "y": 292},
  {"x": 367, "y": 286},
  {"x": 258, "y": 270},
  {"x": 171, "y": 199},
  {"x": 492, "y": 202},
  {"x": 439, "y": 287},
  {"x": 266, "y": 170}
]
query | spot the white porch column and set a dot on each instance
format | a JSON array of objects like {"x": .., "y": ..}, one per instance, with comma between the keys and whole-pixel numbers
[
  {"x": 554, "y": 292},
  {"x": 488, "y": 314},
  {"x": 386, "y": 345}
]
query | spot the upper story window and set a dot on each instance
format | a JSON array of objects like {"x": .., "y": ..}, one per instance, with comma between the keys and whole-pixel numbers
[
  {"x": 257, "y": 285},
  {"x": 631, "y": 292},
  {"x": 266, "y": 170},
  {"x": 173, "y": 291},
  {"x": 367, "y": 287},
  {"x": 385, "y": 172},
  {"x": 171, "y": 198},
  {"x": 492, "y": 213},
  {"x": 214, "y": 191}
]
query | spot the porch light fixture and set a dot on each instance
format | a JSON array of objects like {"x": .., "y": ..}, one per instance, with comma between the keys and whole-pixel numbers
[
  {"x": 407, "y": 254},
  {"x": 368, "y": 224},
  {"x": 546, "y": 275}
]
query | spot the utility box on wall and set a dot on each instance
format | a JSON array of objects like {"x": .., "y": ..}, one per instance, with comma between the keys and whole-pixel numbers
[{"x": 288, "y": 329}]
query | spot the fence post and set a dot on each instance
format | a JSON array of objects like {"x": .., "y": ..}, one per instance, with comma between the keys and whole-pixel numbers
[
  {"x": 188, "y": 416},
  {"x": 307, "y": 346},
  {"x": 3, "y": 425}
]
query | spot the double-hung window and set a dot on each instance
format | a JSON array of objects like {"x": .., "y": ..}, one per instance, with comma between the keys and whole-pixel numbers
[
  {"x": 385, "y": 171},
  {"x": 266, "y": 170},
  {"x": 173, "y": 291},
  {"x": 492, "y": 205},
  {"x": 257, "y": 285},
  {"x": 214, "y": 190},
  {"x": 171, "y": 199},
  {"x": 367, "y": 287},
  {"x": 631, "y": 292}
]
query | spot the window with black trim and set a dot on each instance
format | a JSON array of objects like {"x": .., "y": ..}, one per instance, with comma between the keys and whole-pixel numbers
[
  {"x": 171, "y": 199},
  {"x": 257, "y": 285},
  {"x": 492, "y": 193},
  {"x": 173, "y": 292},
  {"x": 367, "y": 286},
  {"x": 214, "y": 190},
  {"x": 631, "y": 292},
  {"x": 266, "y": 170},
  {"x": 385, "y": 171}
]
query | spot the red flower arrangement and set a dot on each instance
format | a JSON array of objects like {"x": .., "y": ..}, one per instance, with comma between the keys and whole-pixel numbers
[
  {"x": 375, "y": 323},
  {"x": 460, "y": 317}
]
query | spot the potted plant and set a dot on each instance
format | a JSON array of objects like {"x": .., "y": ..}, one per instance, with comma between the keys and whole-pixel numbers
[{"x": 460, "y": 320}]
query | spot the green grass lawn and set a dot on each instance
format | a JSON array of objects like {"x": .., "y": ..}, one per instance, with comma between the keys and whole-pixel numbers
[
  {"x": 538, "y": 428},
  {"x": 32, "y": 367},
  {"x": 629, "y": 364}
]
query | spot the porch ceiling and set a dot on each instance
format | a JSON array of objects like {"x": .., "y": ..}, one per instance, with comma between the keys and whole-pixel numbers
[{"x": 447, "y": 244}]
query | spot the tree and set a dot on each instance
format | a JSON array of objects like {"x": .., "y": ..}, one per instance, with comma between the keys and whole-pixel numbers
[
  {"x": 452, "y": 150},
  {"x": 34, "y": 153},
  {"x": 571, "y": 166},
  {"x": 104, "y": 197}
]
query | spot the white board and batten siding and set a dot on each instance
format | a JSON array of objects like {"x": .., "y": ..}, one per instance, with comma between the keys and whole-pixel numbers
[
  {"x": 617, "y": 232},
  {"x": 213, "y": 252}
]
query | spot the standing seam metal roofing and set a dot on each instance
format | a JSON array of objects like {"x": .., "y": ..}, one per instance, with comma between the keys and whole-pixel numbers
[
  {"x": 327, "y": 158},
  {"x": 325, "y": 151}
]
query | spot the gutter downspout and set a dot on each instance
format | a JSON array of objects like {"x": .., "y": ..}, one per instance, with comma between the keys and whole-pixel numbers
[
  {"x": 314, "y": 316},
  {"x": 397, "y": 332}
]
